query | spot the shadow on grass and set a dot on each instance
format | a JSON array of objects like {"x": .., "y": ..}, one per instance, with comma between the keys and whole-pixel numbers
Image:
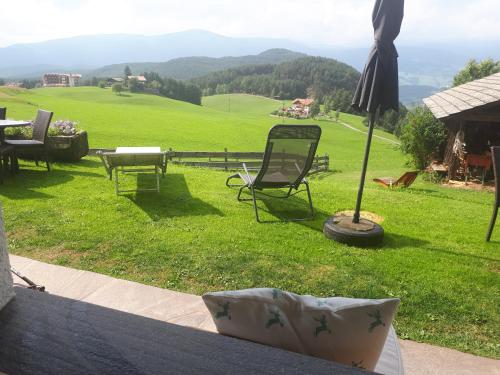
[
  {"x": 459, "y": 254},
  {"x": 285, "y": 209},
  {"x": 87, "y": 162},
  {"x": 30, "y": 177},
  {"x": 296, "y": 207},
  {"x": 174, "y": 199}
]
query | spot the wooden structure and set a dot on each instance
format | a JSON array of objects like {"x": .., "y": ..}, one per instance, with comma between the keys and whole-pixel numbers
[
  {"x": 225, "y": 160},
  {"x": 471, "y": 112}
]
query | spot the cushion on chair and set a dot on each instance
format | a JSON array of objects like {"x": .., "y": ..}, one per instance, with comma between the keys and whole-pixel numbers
[
  {"x": 344, "y": 330},
  {"x": 6, "y": 290},
  {"x": 23, "y": 142}
]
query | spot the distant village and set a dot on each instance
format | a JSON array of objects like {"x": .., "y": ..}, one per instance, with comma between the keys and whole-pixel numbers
[{"x": 73, "y": 80}]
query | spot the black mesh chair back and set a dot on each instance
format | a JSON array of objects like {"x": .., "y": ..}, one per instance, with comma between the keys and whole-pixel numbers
[
  {"x": 289, "y": 155},
  {"x": 41, "y": 125},
  {"x": 3, "y": 113},
  {"x": 495, "y": 154}
]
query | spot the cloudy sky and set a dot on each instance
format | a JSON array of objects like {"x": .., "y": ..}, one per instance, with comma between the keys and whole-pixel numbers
[{"x": 327, "y": 22}]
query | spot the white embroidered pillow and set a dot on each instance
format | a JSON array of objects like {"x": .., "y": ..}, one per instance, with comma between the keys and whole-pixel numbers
[{"x": 344, "y": 330}]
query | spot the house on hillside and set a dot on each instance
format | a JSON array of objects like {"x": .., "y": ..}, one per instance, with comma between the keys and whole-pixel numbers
[
  {"x": 14, "y": 84},
  {"x": 140, "y": 79},
  {"x": 112, "y": 81},
  {"x": 471, "y": 113},
  {"x": 301, "y": 107},
  {"x": 61, "y": 79}
]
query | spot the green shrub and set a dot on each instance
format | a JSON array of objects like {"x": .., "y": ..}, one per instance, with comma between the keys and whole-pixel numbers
[
  {"x": 117, "y": 88},
  {"x": 422, "y": 137},
  {"x": 314, "y": 109},
  {"x": 134, "y": 85},
  {"x": 22, "y": 132},
  {"x": 101, "y": 84}
]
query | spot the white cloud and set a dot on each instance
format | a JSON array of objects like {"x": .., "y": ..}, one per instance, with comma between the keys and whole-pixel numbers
[{"x": 332, "y": 22}]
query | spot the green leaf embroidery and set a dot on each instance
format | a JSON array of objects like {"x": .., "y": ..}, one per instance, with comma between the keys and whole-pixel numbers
[
  {"x": 277, "y": 293},
  {"x": 323, "y": 326},
  {"x": 224, "y": 312},
  {"x": 377, "y": 320},
  {"x": 320, "y": 302},
  {"x": 276, "y": 319},
  {"x": 358, "y": 365}
]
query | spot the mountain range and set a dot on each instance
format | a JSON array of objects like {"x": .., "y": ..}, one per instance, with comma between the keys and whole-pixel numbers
[{"x": 432, "y": 66}]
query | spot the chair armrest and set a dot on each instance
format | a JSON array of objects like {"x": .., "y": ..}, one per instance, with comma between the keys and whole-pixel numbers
[{"x": 246, "y": 171}]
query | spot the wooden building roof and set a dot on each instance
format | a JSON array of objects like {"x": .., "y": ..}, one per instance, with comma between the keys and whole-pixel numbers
[{"x": 482, "y": 93}]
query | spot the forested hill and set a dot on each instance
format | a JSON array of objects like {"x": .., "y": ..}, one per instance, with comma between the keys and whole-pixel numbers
[
  {"x": 190, "y": 67},
  {"x": 305, "y": 77}
]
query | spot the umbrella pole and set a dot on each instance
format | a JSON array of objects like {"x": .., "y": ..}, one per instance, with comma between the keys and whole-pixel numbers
[{"x": 365, "y": 166}]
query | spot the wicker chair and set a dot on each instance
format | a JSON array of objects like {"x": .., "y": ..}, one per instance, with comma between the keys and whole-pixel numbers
[
  {"x": 288, "y": 157},
  {"x": 6, "y": 152},
  {"x": 495, "y": 154},
  {"x": 38, "y": 143}
]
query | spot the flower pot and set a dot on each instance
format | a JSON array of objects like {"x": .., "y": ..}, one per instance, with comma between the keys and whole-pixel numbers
[
  {"x": 62, "y": 147},
  {"x": 68, "y": 148}
]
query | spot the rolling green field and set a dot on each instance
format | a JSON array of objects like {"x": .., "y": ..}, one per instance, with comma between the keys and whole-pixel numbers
[{"x": 195, "y": 237}]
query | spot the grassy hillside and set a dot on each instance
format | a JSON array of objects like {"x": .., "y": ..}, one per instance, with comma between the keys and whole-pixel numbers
[{"x": 195, "y": 237}]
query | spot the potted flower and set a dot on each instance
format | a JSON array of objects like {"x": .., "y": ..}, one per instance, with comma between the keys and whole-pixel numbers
[{"x": 65, "y": 141}]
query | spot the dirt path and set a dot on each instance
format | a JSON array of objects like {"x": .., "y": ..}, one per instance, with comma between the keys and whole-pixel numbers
[{"x": 376, "y": 136}]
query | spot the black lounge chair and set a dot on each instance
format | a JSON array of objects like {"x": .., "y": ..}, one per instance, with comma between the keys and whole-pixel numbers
[
  {"x": 38, "y": 142},
  {"x": 288, "y": 157},
  {"x": 495, "y": 154}
]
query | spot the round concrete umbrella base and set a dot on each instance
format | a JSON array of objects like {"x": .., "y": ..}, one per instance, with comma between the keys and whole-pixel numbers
[{"x": 341, "y": 228}]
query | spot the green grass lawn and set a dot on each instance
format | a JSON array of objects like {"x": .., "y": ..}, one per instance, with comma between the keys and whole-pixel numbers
[{"x": 195, "y": 237}]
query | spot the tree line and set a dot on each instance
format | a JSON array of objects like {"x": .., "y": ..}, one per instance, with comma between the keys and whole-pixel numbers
[
  {"x": 325, "y": 80},
  {"x": 155, "y": 84}
]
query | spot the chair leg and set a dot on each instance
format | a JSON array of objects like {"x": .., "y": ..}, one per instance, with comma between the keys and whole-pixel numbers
[
  {"x": 230, "y": 178},
  {"x": 116, "y": 182},
  {"x": 47, "y": 160},
  {"x": 157, "y": 180},
  {"x": 256, "y": 209},
  {"x": 13, "y": 162},
  {"x": 311, "y": 208},
  {"x": 1, "y": 170},
  {"x": 239, "y": 194},
  {"x": 492, "y": 223}
]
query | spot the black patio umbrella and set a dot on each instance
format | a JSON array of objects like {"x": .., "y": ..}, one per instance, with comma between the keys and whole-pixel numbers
[{"x": 378, "y": 90}]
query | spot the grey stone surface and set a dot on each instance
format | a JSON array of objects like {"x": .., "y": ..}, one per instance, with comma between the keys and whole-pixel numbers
[{"x": 42, "y": 333}]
